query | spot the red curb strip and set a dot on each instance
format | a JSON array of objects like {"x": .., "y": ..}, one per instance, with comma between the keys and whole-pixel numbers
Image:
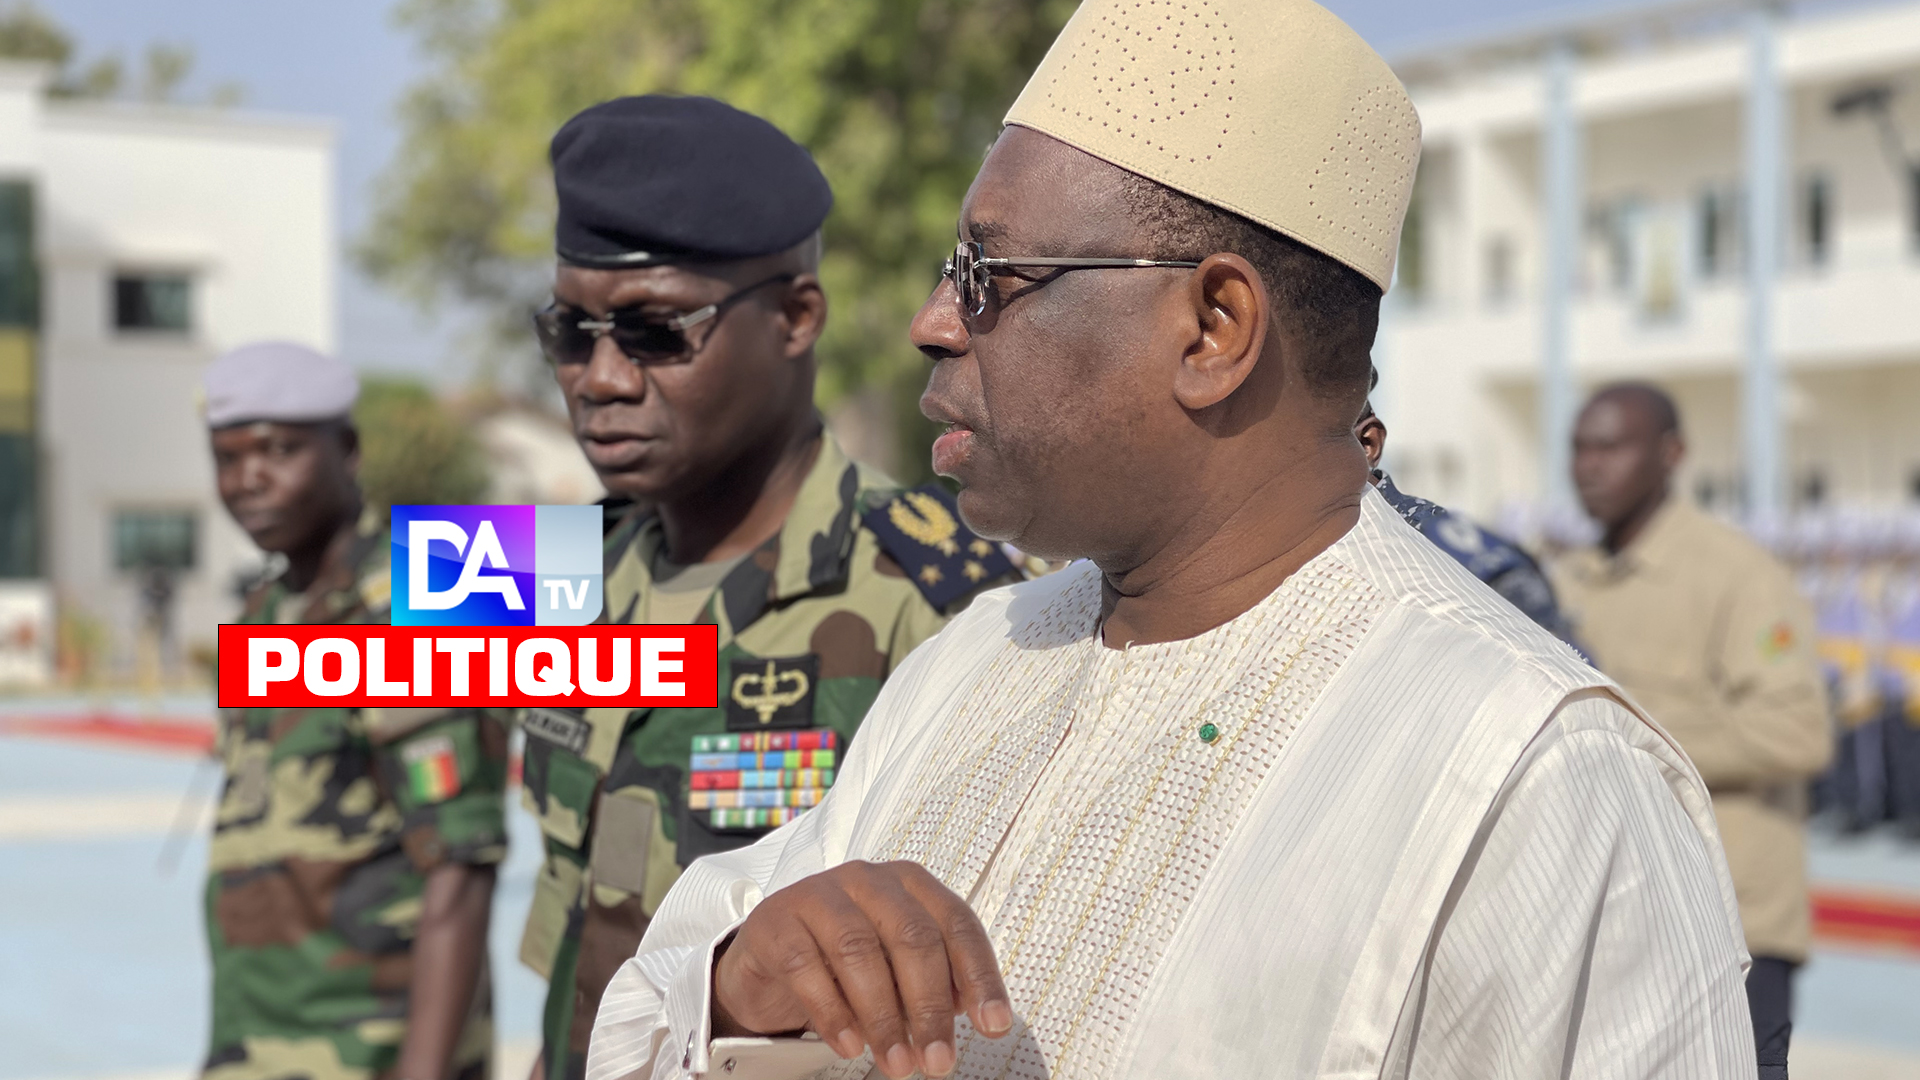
[
  {"x": 1882, "y": 921},
  {"x": 176, "y": 736}
]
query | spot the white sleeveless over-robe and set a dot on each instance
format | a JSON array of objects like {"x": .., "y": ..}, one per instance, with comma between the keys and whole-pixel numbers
[{"x": 1380, "y": 825}]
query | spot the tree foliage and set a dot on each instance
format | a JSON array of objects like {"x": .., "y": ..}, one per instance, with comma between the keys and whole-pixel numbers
[
  {"x": 897, "y": 99},
  {"x": 413, "y": 450},
  {"x": 26, "y": 33}
]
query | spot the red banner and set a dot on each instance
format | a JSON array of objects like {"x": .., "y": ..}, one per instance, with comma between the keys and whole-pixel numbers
[{"x": 304, "y": 666}]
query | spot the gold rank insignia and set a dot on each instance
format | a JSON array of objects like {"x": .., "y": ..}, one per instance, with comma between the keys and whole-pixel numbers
[
  {"x": 924, "y": 518},
  {"x": 922, "y": 531}
]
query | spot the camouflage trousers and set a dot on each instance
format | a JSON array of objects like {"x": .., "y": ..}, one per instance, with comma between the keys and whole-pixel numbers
[{"x": 317, "y": 1009}]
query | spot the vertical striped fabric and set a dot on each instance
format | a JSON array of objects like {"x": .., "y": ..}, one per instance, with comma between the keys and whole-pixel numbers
[{"x": 1425, "y": 840}]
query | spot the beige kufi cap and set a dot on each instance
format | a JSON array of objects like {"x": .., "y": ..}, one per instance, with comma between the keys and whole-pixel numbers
[{"x": 1273, "y": 109}]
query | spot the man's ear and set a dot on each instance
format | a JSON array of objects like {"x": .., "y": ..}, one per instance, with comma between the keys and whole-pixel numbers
[
  {"x": 1673, "y": 447},
  {"x": 1372, "y": 433},
  {"x": 805, "y": 310},
  {"x": 349, "y": 437},
  {"x": 1230, "y": 309}
]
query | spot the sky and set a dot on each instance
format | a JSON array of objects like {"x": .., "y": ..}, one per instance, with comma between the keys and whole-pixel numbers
[
  {"x": 346, "y": 60},
  {"x": 340, "y": 59}
]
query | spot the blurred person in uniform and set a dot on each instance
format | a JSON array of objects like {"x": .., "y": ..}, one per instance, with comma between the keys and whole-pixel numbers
[
  {"x": 1900, "y": 679},
  {"x": 1709, "y": 634},
  {"x": 686, "y": 306},
  {"x": 156, "y": 595},
  {"x": 353, "y": 858},
  {"x": 1848, "y": 636},
  {"x": 1501, "y": 563}
]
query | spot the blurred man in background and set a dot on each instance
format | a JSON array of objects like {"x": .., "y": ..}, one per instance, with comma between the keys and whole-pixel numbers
[
  {"x": 352, "y": 866},
  {"x": 1501, "y": 563},
  {"x": 1708, "y": 633},
  {"x": 687, "y": 303}
]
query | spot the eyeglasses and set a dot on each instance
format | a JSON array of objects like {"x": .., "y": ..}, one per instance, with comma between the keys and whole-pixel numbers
[
  {"x": 568, "y": 336},
  {"x": 972, "y": 272}
]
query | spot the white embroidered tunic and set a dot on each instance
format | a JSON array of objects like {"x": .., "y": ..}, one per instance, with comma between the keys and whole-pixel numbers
[{"x": 1380, "y": 825}]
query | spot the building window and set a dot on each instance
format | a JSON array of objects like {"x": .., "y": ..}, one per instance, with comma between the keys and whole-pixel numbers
[
  {"x": 1913, "y": 206},
  {"x": 1619, "y": 226},
  {"x": 1663, "y": 282},
  {"x": 19, "y": 273},
  {"x": 1706, "y": 492},
  {"x": 1620, "y": 221},
  {"x": 1718, "y": 230},
  {"x": 1723, "y": 491},
  {"x": 153, "y": 301},
  {"x": 1410, "y": 269},
  {"x": 153, "y": 539},
  {"x": 1816, "y": 218},
  {"x": 1500, "y": 270},
  {"x": 19, "y": 313},
  {"x": 1812, "y": 491}
]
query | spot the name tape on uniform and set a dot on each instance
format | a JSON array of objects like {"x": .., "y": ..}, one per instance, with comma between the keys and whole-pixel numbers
[{"x": 306, "y": 666}]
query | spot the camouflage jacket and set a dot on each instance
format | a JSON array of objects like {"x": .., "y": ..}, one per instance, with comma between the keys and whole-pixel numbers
[
  {"x": 328, "y": 823},
  {"x": 860, "y": 573}
]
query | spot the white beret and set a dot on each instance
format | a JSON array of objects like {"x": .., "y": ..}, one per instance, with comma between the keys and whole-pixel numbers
[
  {"x": 1272, "y": 109},
  {"x": 277, "y": 380}
]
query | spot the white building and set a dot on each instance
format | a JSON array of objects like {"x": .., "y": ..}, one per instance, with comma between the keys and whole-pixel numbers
[
  {"x": 162, "y": 236},
  {"x": 1658, "y": 99}
]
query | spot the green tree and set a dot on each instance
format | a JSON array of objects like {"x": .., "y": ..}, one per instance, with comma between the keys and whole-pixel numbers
[
  {"x": 897, "y": 99},
  {"x": 26, "y": 33},
  {"x": 413, "y": 450}
]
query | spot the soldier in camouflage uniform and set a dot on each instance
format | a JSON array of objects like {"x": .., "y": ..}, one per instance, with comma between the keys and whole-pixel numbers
[
  {"x": 689, "y": 377},
  {"x": 353, "y": 857}
]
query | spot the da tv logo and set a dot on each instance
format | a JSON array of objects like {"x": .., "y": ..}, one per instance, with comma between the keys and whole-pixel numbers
[
  {"x": 496, "y": 565},
  {"x": 492, "y": 607}
]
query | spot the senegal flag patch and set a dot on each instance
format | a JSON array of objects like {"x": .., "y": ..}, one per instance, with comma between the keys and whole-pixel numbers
[
  {"x": 1776, "y": 641},
  {"x": 433, "y": 771}
]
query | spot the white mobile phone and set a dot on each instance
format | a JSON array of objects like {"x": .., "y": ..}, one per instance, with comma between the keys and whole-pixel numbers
[{"x": 770, "y": 1059}]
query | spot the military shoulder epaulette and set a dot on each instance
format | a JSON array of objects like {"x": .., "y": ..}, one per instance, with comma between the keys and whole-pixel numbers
[{"x": 921, "y": 530}]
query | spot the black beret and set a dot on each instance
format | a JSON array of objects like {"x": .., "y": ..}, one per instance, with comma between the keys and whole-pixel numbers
[{"x": 654, "y": 179}]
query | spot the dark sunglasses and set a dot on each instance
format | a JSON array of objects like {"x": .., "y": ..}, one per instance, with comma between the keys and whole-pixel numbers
[
  {"x": 568, "y": 335},
  {"x": 971, "y": 271}
]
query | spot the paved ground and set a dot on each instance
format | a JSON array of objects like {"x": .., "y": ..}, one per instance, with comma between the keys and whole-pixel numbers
[
  {"x": 101, "y": 949},
  {"x": 101, "y": 967}
]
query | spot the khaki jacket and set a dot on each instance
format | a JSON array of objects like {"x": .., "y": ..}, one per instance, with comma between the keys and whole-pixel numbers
[{"x": 1709, "y": 634}]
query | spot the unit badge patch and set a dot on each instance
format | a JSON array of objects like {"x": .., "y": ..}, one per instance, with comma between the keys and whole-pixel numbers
[{"x": 771, "y": 692}]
